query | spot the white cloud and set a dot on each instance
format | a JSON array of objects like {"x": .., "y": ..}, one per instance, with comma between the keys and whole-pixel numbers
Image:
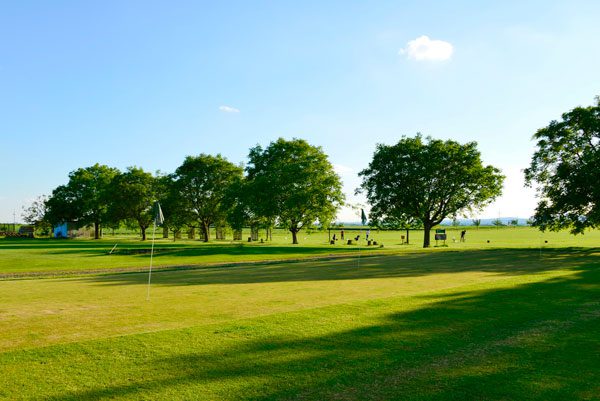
[
  {"x": 341, "y": 169},
  {"x": 228, "y": 109},
  {"x": 425, "y": 49}
]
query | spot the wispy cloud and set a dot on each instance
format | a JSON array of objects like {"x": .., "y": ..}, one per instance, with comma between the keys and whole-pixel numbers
[
  {"x": 425, "y": 49},
  {"x": 228, "y": 109},
  {"x": 341, "y": 169}
]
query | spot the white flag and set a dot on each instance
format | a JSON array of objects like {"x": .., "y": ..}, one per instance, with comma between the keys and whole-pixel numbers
[{"x": 158, "y": 215}]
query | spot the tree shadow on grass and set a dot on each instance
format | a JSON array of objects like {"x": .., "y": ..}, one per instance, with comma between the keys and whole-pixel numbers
[
  {"x": 536, "y": 341},
  {"x": 48, "y": 243},
  {"x": 171, "y": 249},
  {"x": 498, "y": 261}
]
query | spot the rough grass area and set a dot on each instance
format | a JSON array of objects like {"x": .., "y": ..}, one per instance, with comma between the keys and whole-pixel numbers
[{"x": 476, "y": 324}]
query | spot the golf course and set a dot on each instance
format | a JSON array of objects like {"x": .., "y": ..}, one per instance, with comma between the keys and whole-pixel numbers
[
  {"x": 309, "y": 201},
  {"x": 511, "y": 313}
]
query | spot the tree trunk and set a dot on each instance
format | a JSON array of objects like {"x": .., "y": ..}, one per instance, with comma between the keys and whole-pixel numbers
[
  {"x": 426, "y": 235},
  {"x": 96, "y": 230},
  {"x": 143, "y": 230},
  {"x": 205, "y": 231},
  {"x": 294, "y": 236}
]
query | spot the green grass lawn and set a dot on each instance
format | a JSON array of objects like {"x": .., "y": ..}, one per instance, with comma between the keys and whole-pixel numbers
[
  {"x": 478, "y": 321},
  {"x": 20, "y": 257}
]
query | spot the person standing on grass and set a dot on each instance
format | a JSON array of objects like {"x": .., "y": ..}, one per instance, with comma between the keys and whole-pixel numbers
[
  {"x": 342, "y": 235},
  {"x": 462, "y": 235}
]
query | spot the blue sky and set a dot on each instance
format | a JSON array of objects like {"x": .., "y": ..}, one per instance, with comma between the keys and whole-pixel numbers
[{"x": 146, "y": 83}]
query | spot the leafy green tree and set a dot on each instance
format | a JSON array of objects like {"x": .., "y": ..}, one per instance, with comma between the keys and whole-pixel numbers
[
  {"x": 173, "y": 206},
  {"x": 476, "y": 222},
  {"x": 498, "y": 223},
  {"x": 37, "y": 214},
  {"x": 132, "y": 195},
  {"x": 84, "y": 200},
  {"x": 240, "y": 203},
  {"x": 428, "y": 180},
  {"x": 243, "y": 211},
  {"x": 203, "y": 182},
  {"x": 566, "y": 168},
  {"x": 293, "y": 184}
]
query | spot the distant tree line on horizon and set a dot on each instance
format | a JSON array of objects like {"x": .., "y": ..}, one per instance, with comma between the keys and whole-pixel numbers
[{"x": 418, "y": 182}]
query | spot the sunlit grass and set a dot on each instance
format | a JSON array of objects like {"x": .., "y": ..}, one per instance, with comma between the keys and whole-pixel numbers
[
  {"x": 24, "y": 256},
  {"x": 467, "y": 321}
]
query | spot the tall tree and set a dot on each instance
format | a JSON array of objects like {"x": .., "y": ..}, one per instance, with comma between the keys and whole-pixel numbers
[
  {"x": 239, "y": 205},
  {"x": 132, "y": 194},
  {"x": 243, "y": 204},
  {"x": 37, "y": 214},
  {"x": 566, "y": 167},
  {"x": 84, "y": 199},
  {"x": 428, "y": 180},
  {"x": 169, "y": 202},
  {"x": 293, "y": 183},
  {"x": 202, "y": 182}
]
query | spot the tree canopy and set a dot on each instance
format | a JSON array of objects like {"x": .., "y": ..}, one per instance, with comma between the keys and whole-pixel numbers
[
  {"x": 132, "y": 194},
  {"x": 427, "y": 181},
  {"x": 566, "y": 168},
  {"x": 37, "y": 214},
  {"x": 293, "y": 183},
  {"x": 84, "y": 199},
  {"x": 203, "y": 182}
]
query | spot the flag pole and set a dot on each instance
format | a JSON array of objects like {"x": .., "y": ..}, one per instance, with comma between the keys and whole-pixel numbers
[
  {"x": 158, "y": 218},
  {"x": 151, "y": 255},
  {"x": 363, "y": 220},
  {"x": 358, "y": 262}
]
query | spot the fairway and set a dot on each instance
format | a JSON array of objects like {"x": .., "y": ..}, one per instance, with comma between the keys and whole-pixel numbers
[
  {"x": 27, "y": 257},
  {"x": 461, "y": 322},
  {"x": 310, "y": 201}
]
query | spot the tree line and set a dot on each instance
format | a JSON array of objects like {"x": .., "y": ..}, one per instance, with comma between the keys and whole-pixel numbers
[
  {"x": 417, "y": 182},
  {"x": 289, "y": 184}
]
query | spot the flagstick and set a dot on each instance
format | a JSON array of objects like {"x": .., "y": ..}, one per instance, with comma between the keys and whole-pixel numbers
[
  {"x": 151, "y": 254},
  {"x": 358, "y": 243}
]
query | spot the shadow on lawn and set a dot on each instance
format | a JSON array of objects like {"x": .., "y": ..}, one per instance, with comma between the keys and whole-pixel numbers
[
  {"x": 206, "y": 250},
  {"x": 536, "y": 341},
  {"x": 86, "y": 245},
  {"x": 169, "y": 249},
  {"x": 500, "y": 261}
]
